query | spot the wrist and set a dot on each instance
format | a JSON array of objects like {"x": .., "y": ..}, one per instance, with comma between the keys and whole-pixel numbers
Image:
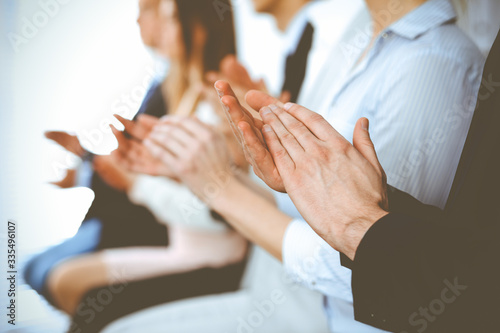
[
  {"x": 353, "y": 233},
  {"x": 220, "y": 193}
]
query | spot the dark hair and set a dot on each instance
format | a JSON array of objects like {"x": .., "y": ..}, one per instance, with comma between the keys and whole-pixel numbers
[{"x": 220, "y": 30}]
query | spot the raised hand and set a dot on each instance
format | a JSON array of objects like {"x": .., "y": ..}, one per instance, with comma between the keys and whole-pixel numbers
[
  {"x": 247, "y": 127},
  {"x": 140, "y": 128},
  {"x": 339, "y": 189},
  {"x": 68, "y": 181},
  {"x": 133, "y": 155},
  {"x": 67, "y": 141}
]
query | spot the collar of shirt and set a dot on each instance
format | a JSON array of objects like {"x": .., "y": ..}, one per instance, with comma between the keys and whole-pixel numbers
[
  {"x": 293, "y": 32},
  {"x": 430, "y": 14},
  {"x": 422, "y": 19}
]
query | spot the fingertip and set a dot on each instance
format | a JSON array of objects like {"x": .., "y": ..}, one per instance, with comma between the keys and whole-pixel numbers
[
  {"x": 365, "y": 124},
  {"x": 288, "y": 106},
  {"x": 266, "y": 128},
  {"x": 220, "y": 84},
  {"x": 265, "y": 111}
]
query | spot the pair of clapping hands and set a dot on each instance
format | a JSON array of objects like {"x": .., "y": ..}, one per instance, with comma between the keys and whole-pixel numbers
[
  {"x": 181, "y": 148},
  {"x": 339, "y": 188}
]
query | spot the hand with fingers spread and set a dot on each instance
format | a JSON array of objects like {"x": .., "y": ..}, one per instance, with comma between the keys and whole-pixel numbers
[
  {"x": 339, "y": 189},
  {"x": 247, "y": 127},
  {"x": 195, "y": 152}
]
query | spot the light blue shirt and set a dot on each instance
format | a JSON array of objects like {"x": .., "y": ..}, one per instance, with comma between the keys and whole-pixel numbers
[{"x": 418, "y": 87}]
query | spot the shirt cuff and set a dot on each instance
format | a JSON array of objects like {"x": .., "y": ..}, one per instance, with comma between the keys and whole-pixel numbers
[{"x": 313, "y": 263}]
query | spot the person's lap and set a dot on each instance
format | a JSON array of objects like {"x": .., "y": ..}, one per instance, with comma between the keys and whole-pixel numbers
[
  {"x": 121, "y": 299},
  {"x": 85, "y": 240}
]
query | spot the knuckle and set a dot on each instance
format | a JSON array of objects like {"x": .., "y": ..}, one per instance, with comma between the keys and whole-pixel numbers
[
  {"x": 316, "y": 117},
  {"x": 287, "y": 136},
  {"x": 279, "y": 154},
  {"x": 295, "y": 126},
  {"x": 341, "y": 147},
  {"x": 294, "y": 108},
  {"x": 320, "y": 152}
]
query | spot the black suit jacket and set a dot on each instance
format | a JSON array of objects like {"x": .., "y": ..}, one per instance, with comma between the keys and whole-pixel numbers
[
  {"x": 421, "y": 269},
  {"x": 124, "y": 223}
]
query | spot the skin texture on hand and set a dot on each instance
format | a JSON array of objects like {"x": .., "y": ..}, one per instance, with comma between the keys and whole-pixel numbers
[
  {"x": 339, "y": 189},
  {"x": 250, "y": 136},
  {"x": 200, "y": 157},
  {"x": 196, "y": 153},
  {"x": 132, "y": 153}
]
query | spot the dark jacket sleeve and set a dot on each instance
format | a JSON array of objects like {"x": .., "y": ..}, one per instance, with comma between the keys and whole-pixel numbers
[
  {"x": 423, "y": 270},
  {"x": 415, "y": 275}
]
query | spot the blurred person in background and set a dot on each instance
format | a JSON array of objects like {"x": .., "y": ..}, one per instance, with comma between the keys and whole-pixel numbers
[
  {"x": 112, "y": 220},
  {"x": 302, "y": 309},
  {"x": 204, "y": 255}
]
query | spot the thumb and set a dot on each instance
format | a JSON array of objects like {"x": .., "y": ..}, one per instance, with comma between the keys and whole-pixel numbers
[{"x": 363, "y": 143}]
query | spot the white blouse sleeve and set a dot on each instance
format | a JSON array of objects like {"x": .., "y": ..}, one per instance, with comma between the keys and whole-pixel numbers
[{"x": 173, "y": 203}]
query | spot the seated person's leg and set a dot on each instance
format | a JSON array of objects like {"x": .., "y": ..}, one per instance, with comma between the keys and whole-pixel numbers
[
  {"x": 38, "y": 268},
  {"x": 103, "y": 305},
  {"x": 193, "y": 250},
  {"x": 68, "y": 281}
]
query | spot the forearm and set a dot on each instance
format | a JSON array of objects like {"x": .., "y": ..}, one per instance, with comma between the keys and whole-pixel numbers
[
  {"x": 189, "y": 250},
  {"x": 253, "y": 216},
  {"x": 247, "y": 181}
]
